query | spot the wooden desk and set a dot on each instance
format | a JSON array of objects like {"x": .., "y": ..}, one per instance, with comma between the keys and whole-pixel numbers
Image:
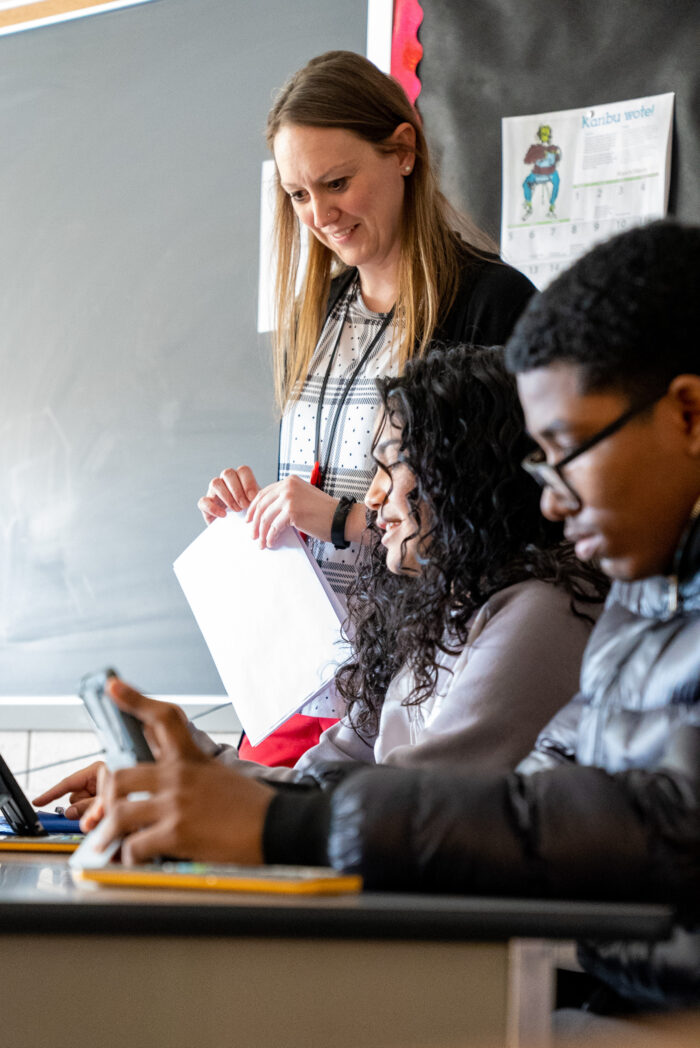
[{"x": 91, "y": 967}]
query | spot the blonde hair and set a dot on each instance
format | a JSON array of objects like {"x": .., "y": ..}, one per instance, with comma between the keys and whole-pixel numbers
[{"x": 341, "y": 89}]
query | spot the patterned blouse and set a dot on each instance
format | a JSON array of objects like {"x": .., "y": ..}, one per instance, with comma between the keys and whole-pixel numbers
[{"x": 347, "y": 464}]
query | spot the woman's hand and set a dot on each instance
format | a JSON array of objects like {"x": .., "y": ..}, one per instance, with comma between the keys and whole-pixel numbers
[
  {"x": 82, "y": 786},
  {"x": 294, "y": 502},
  {"x": 232, "y": 489},
  {"x": 197, "y": 809}
]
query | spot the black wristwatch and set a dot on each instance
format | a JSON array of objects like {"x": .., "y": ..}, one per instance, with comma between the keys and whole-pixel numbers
[{"x": 338, "y": 525}]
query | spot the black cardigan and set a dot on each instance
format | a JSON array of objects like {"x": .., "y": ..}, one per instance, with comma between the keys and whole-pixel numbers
[{"x": 490, "y": 298}]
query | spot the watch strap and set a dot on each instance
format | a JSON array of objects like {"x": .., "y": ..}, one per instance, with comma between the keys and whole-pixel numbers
[{"x": 338, "y": 523}]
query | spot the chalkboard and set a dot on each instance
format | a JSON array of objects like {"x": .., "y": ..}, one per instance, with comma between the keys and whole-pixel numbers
[
  {"x": 130, "y": 367},
  {"x": 487, "y": 59}
]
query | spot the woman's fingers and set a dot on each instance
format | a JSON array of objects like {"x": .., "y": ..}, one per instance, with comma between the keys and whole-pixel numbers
[
  {"x": 228, "y": 490},
  {"x": 256, "y": 507},
  {"x": 242, "y": 482},
  {"x": 233, "y": 489},
  {"x": 211, "y": 508},
  {"x": 291, "y": 502},
  {"x": 269, "y": 515},
  {"x": 273, "y": 522}
]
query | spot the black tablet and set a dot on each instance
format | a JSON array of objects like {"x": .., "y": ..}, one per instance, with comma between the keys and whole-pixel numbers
[
  {"x": 16, "y": 808},
  {"x": 25, "y": 831}
]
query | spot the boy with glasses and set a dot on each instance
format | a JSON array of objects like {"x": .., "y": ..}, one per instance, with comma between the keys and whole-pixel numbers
[{"x": 608, "y": 804}]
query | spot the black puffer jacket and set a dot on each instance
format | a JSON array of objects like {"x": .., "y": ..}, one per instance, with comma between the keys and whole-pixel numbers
[{"x": 607, "y": 807}]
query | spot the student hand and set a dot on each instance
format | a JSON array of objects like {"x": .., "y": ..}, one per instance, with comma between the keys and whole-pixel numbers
[
  {"x": 294, "y": 502},
  {"x": 232, "y": 489},
  {"x": 197, "y": 809},
  {"x": 82, "y": 786}
]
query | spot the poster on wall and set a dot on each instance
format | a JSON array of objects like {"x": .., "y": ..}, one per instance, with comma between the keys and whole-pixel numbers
[{"x": 575, "y": 177}]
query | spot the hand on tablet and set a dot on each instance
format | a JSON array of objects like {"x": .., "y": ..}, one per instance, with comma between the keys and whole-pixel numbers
[
  {"x": 81, "y": 785},
  {"x": 197, "y": 809}
]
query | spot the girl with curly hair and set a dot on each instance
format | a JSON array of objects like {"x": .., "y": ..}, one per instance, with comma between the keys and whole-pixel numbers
[{"x": 472, "y": 639}]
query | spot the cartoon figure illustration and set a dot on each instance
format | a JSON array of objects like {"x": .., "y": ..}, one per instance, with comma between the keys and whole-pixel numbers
[{"x": 544, "y": 156}]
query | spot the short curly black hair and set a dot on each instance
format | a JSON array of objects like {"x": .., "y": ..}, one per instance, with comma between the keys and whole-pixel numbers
[{"x": 627, "y": 314}]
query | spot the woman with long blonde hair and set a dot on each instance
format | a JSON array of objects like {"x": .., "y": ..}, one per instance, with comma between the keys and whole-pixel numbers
[{"x": 391, "y": 266}]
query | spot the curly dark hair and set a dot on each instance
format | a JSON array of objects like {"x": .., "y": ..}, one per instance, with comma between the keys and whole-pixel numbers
[
  {"x": 463, "y": 437},
  {"x": 626, "y": 314}
]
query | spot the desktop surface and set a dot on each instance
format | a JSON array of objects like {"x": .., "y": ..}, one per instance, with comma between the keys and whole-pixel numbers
[
  {"x": 178, "y": 968},
  {"x": 38, "y": 894}
]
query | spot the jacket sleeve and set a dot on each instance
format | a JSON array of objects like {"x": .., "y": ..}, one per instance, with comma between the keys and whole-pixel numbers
[
  {"x": 556, "y": 743},
  {"x": 568, "y": 831},
  {"x": 657, "y": 974},
  {"x": 520, "y": 665},
  {"x": 322, "y": 764},
  {"x": 340, "y": 742},
  {"x": 228, "y": 755}
]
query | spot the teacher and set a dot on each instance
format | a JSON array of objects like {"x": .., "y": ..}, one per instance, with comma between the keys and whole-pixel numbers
[{"x": 391, "y": 267}]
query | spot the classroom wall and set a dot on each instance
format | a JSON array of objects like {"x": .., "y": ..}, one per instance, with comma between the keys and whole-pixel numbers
[
  {"x": 488, "y": 59},
  {"x": 130, "y": 367}
]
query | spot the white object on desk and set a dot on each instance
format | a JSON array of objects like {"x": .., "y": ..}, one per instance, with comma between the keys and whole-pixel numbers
[
  {"x": 269, "y": 618},
  {"x": 86, "y": 856}
]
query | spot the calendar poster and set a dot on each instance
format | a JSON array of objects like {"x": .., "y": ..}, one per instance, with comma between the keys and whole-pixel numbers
[{"x": 574, "y": 177}]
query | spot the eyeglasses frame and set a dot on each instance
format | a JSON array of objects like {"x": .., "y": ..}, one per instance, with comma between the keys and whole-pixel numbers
[{"x": 543, "y": 472}]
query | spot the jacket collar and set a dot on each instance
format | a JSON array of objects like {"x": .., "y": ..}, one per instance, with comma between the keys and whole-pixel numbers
[{"x": 662, "y": 596}]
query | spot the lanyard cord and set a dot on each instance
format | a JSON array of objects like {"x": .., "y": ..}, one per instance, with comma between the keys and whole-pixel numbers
[{"x": 317, "y": 473}]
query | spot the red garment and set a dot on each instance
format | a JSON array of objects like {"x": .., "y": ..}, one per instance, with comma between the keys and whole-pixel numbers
[
  {"x": 286, "y": 745},
  {"x": 536, "y": 152}
]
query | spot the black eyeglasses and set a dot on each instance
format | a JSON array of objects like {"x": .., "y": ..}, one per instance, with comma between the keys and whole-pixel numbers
[{"x": 551, "y": 475}]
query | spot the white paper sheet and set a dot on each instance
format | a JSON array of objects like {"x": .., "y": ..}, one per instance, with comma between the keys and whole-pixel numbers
[
  {"x": 575, "y": 177},
  {"x": 269, "y": 618}
]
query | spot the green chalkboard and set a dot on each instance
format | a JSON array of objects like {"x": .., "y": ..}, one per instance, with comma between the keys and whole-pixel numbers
[{"x": 130, "y": 368}]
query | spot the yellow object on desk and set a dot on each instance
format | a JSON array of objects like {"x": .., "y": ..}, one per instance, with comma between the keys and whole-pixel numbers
[
  {"x": 52, "y": 842},
  {"x": 297, "y": 880}
]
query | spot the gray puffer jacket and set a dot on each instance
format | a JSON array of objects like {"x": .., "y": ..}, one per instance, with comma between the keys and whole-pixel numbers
[{"x": 606, "y": 807}]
